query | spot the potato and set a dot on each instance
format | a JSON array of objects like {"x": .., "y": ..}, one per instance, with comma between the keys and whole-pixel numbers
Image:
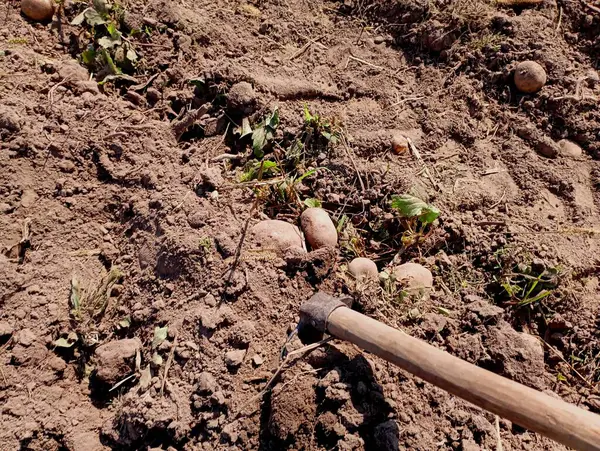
[
  {"x": 318, "y": 228},
  {"x": 530, "y": 77},
  {"x": 569, "y": 149},
  {"x": 399, "y": 144},
  {"x": 363, "y": 269},
  {"x": 276, "y": 235},
  {"x": 38, "y": 10},
  {"x": 414, "y": 278}
]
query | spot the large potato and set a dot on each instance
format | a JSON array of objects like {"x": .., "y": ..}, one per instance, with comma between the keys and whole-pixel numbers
[
  {"x": 414, "y": 278},
  {"x": 276, "y": 235},
  {"x": 530, "y": 77},
  {"x": 39, "y": 10},
  {"x": 318, "y": 228},
  {"x": 363, "y": 269}
]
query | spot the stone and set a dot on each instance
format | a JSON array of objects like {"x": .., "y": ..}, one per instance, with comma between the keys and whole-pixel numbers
[
  {"x": 257, "y": 360},
  {"x": 234, "y": 358}
]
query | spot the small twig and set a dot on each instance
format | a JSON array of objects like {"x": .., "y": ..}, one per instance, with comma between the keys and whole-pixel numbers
[
  {"x": 592, "y": 7},
  {"x": 118, "y": 384},
  {"x": 495, "y": 204},
  {"x": 499, "y": 440},
  {"x": 560, "y": 12},
  {"x": 417, "y": 155},
  {"x": 168, "y": 364},
  {"x": 226, "y": 156},
  {"x": 375, "y": 66},
  {"x": 280, "y": 368},
  {"x": 558, "y": 354},
  {"x": 348, "y": 152}
]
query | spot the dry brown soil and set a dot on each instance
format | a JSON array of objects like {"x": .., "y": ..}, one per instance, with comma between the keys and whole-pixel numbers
[{"x": 93, "y": 178}]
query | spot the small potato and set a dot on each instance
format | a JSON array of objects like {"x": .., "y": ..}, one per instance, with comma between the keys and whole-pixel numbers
[
  {"x": 399, "y": 144},
  {"x": 363, "y": 269},
  {"x": 318, "y": 228},
  {"x": 414, "y": 278},
  {"x": 569, "y": 149},
  {"x": 38, "y": 10},
  {"x": 276, "y": 235},
  {"x": 530, "y": 77}
]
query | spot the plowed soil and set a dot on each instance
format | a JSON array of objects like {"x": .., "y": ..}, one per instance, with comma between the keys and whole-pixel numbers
[{"x": 111, "y": 197}]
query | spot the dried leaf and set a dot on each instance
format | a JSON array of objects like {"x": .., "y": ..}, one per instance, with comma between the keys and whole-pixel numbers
[
  {"x": 63, "y": 343},
  {"x": 145, "y": 378},
  {"x": 160, "y": 335},
  {"x": 157, "y": 359}
]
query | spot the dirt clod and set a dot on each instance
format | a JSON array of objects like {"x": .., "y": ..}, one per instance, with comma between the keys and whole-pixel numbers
[
  {"x": 241, "y": 98},
  {"x": 234, "y": 358},
  {"x": 518, "y": 355},
  {"x": 114, "y": 360}
]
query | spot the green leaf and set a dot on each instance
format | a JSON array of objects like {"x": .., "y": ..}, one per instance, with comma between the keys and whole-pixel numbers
[
  {"x": 259, "y": 141},
  {"x": 306, "y": 174},
  {"x": 63, "y": 343},
  {"x": 113, "y": 69},
  {"x": 93, "y": 17},
  {"x": 410, "y": 207},
  {"x": 88, "y": 56},
  {"x": 541, "y": 295},
  {"x": 308, "y": 118},
  {"x": 200, "y": 82},
  {"x": 331, "y": 137},
  {"x": 113, "y": 31},
  {"x": 273, "y": 121},
  {"x": 75, "y": 297},
  {"x": 312, "y": 203},
  {"x": 160, "y": 335},
  {"x": 561, "y": 378}
]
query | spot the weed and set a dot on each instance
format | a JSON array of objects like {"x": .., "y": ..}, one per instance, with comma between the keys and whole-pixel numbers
[
  {"x": 88, "y": 305},
  {"x": 350, "y": 241},
  {"x": 491, "y": 40},
  {"x": 205, "y": 244},
  {"x": 110, "y": 52},
  {"x": 520, "y": 282},
  {"x": 417, "y": 218},
  {"x": 263, "y": 134},
  {"x": 256, "y": 170}
]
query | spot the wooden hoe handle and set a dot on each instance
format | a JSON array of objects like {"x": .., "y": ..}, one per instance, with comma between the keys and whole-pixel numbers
[{"x": 529, "y": 408}]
